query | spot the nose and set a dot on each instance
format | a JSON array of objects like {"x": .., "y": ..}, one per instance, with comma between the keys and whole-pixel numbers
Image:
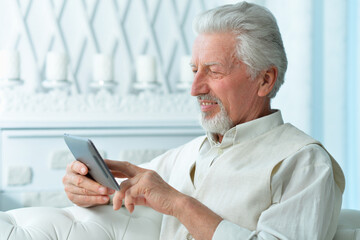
[{"x": 200, "y": 84}]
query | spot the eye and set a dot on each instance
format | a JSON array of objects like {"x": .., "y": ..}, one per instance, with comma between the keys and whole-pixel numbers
[{"x": 215, "y": 70}]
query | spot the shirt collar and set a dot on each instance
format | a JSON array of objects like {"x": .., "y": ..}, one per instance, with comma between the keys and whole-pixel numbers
[{"x": 248, "y": 130}]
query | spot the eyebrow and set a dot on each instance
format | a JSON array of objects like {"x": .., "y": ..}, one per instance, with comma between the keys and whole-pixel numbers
[
  {"x": 206, "y": 64},
  {"x": 212, "y": 63}
]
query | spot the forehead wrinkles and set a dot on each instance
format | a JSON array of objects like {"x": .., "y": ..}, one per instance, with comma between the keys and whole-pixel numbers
[
  {"x": 218, "y": 48},
  {"x": 220, "y": 58}
]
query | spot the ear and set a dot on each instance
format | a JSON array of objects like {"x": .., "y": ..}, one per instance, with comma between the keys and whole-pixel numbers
[{"x": 267, "y": 81}]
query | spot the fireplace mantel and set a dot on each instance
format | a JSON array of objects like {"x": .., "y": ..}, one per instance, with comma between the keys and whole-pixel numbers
[{"x": 33, "y": 155}]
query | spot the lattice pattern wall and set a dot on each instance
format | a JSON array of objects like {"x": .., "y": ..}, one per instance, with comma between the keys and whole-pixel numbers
[{"x": 82, "y": 28}]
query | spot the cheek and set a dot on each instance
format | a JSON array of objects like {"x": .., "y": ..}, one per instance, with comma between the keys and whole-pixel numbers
[
  {"x": 234, "y": 95},
  {"x": 228, "y": 95},
  {"x": 239, "y": 98},
  {"x": 221, "y": 91}
]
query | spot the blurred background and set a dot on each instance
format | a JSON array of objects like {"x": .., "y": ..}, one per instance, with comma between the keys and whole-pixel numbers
[{"x": 72, "y": 54}]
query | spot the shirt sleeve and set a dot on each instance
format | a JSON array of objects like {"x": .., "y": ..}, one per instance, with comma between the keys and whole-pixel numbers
[
  {"x": 163, "y": 164},
  {"x": 306, "y": 201}
]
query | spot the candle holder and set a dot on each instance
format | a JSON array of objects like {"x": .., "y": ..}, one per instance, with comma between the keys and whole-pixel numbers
[
  {"x": 103, "y": 77},
  {"x": 56, "y": 84},
  {"x": 10, "y": 83},
  {"x": 10, "y": 69},
  {"x": 56, "y": 72},
  {"x": 105, "y": 85},
  {"x": 146, "y": 74}
]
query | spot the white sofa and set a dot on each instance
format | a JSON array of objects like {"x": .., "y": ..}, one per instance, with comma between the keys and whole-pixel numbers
[
  {"x": 349, "y": 225},
  {"x": 74, "y": 223}
]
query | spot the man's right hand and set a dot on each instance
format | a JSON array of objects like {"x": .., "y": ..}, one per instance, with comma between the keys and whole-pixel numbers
[{"x": 82, "y": 190}]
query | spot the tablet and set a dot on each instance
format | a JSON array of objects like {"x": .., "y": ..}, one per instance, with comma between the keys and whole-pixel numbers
[{"x": 84, "y": 151}]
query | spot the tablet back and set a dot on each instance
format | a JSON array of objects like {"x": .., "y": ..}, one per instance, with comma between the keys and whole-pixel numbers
[{"x": 84, "y": 151}]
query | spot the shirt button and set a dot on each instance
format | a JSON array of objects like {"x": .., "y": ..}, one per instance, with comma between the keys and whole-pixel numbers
[{"x": 220, "y": 151}]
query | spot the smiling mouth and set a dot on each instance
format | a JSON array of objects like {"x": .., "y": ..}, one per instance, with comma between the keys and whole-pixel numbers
[
  {"x": 208, "y": 103},
  {"x": 208, "y": 106}
]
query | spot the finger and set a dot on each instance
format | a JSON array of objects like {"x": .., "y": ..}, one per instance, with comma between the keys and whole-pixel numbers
[
  {"x": 126, "y": 184},
  {"x": 69, "y": 188},
  {"x": 124, "y": 187},
  {"x": 77, "y": 167},
  {"x": 125, "y": 168},
  {"x": 117, "y": 201},
  {"x": 133, "y": 197},
  {"x": 118, "y": 174},
  {"x": 132, "y": 193},
  {"x": 86, "y": 183},
  {"x": 88, "y": 201},
  {"x": 129, "y": 201}
]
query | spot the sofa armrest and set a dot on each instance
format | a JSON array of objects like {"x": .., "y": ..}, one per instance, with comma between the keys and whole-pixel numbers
[
  {"x": 100, "y": 222},
  {"x": 349, "y": 225}
]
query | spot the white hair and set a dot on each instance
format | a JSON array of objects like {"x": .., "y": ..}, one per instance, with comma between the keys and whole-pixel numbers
[{"x": 259, "y": 43}]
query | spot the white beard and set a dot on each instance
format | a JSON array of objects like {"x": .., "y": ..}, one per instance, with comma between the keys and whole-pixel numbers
[{"x": 218, "y": 124}]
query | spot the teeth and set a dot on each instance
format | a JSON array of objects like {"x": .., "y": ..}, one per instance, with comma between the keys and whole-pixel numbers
[{"x": 206, "y": 104}]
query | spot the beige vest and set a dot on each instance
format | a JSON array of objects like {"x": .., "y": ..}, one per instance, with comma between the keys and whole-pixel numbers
[{"x": 246, "y": 168}]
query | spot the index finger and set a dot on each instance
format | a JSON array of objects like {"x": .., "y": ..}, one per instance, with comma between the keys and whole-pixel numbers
[{"x": 126, "y": 168}]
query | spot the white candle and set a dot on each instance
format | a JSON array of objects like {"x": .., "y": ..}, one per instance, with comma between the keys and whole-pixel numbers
[
  {"x": 102, "y": 68},
  {"x": 186, "y": 74},
  {"x": 9, "y": 64},
  {"x": 56, "y": 66},
  {"x": 146, "y": 69}
]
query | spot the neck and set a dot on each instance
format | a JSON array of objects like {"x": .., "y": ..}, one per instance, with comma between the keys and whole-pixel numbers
[
  {"x": 217, "y": 137},
  {"x": 258, "y": 110},
  {"x": 265, "y": 111}
]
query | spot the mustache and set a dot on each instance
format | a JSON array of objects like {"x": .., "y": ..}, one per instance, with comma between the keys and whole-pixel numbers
[{"x": 209, "y": 97}]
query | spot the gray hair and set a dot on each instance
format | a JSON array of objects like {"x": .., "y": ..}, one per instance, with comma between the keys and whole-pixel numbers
[{"x": 259, "y": 43}]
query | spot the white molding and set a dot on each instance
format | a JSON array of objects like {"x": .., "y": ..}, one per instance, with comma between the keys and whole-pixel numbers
[{"x": 18, "y": 105}]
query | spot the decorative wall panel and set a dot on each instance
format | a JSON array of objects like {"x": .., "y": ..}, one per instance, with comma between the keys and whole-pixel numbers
[
  {"x": 320, "y": 94},
  {"x": 123, "y": 29}
]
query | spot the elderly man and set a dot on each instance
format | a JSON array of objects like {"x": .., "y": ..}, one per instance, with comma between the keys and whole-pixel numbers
[{"x": 251, "y": 176}]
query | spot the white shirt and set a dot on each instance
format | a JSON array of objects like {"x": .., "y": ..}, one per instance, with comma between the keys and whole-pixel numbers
[
  {"x": 290, "y": 206},
  {"x": 288, "y": 209},
  {"x": 291, "y": 215}
]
